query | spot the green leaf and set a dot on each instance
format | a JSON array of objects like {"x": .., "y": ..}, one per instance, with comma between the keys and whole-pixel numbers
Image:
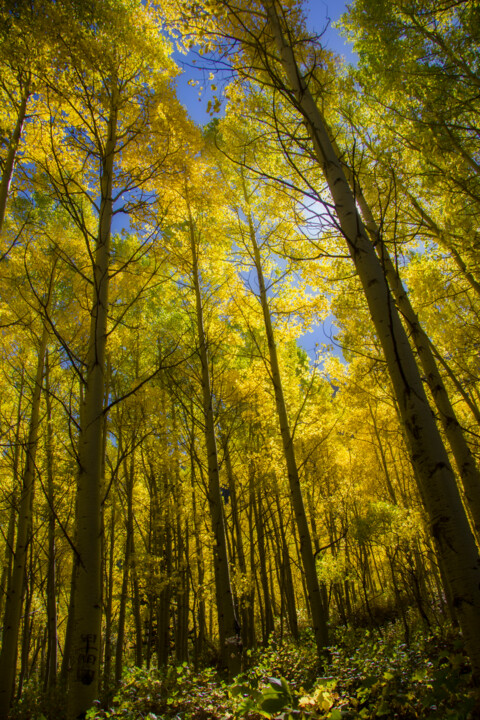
[{"x": 335, "y": 715}]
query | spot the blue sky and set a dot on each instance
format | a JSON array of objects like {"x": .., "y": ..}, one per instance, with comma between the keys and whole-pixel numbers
[{"x": 322, "y": 15}]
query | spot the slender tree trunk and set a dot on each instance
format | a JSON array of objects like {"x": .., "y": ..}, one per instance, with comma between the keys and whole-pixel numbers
[
  {"x": 247, "y": 597},
  {"x": 13, "y": 602},
  {"x": 444, "y": 240},
  {"x": 183, "y": 595},
  {"x": 67, "y": 658},
  {"x": 164, "y": 601},
  {"x": 469, "y": 401},
  {"x": 84, "y": 681},
  {"x": 287, "y": 585},
  {"x": 52, "y": 639},
  {"x": 252, "y": 641},
  {"x": 448, "y": 522},
  {"x": 122, "y": 614},
  {"x": 26, "y": 642},
  {"x": 128, "y": 564},
  {"x": 10, "y": 540},
  {"x": 305, "y": 542},
  {"x": 379, "y": 449},
  {"x": 229, "y": 628},
  {"x": 262, "y": 556},
  {"x": 201, "y": 621},
  {"x": 108, "y": 644}
]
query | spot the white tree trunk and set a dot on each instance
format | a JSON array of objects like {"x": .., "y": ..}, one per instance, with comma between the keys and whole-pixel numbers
[{"x": 85, "y": 661}]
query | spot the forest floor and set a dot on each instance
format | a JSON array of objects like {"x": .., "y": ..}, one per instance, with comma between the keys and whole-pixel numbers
[{"x": 372, "y": 673}]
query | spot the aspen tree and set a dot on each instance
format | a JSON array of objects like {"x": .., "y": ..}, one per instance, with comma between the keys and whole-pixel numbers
[
  {"x": 269, "y": 38},
  {"x": 317, "y": 609},
  {"x": 467, "y": 467},
  {"x": 13, "y": 601},
  {"x": 115, "y": 80},
  {"x": 417, "y": 80},
  {"x": 229, "y": 627},
  {"x": 52, "y": 635}
]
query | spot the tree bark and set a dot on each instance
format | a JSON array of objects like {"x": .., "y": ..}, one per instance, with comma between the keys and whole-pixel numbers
[{"x": 84, "y": 680}]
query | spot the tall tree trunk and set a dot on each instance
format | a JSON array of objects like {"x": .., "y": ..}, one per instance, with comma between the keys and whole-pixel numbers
[
  {"x": 305, "y": 541},
  {"x": 67, "y": 659},
  {"x": 10, "y": 540},
  {"x": 228, "y": 625},
  {"x": 27, "y": 632},
  {"x": 13, "y": 601},
  {"x": 201, "y": 622},
  {"x": 108, "y": 644},
  {"x": 262, "y": 556},
  {"x": 51, "y": 674},
  {"x": 448, "y": 522},
  {"x": 287, "y": 586},
  {"x": 84, "y": 680},
  {"x": 128, "y": 564},
  {"x": 459, "y": 385},
  {"x": 247, "y": 598},
  {"x": 165, "y": 597}
]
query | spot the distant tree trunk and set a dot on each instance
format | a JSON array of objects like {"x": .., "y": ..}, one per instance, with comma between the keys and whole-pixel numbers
[
  {"x": 128, "y": 568},
  {"x": 13, "y": 602},
  {"x": 160, "y": 596},
  {"x": 247, "y": 599},
  {"x": 10, "y": 539},
  {"x": 383, "y": 459},
  {"x": 52, "y": 639},
  {"x": 459, "y": 385},
  {"x": 305, "y": 542},
  {"x": 262, "y": 556},
  {"x": 228, "y": 625},
  {"x": 181, "y": 510},
  {"x": 108, "y": 644},
  {"x": 28, "y": 622},
  {"x": 165, "y": 597},
  {"x": 286, "y": 586},
  {"x": 66, "y": 665},
  {"x": 183, "y": 594},
  {"x": 442, "y": 238},
  {"x": 200, "y": 615},
  {"x": 252, "y": 641}
]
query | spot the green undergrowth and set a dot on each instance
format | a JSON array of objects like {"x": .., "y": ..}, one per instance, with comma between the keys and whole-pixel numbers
[{"x": 370, "y": 674}]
